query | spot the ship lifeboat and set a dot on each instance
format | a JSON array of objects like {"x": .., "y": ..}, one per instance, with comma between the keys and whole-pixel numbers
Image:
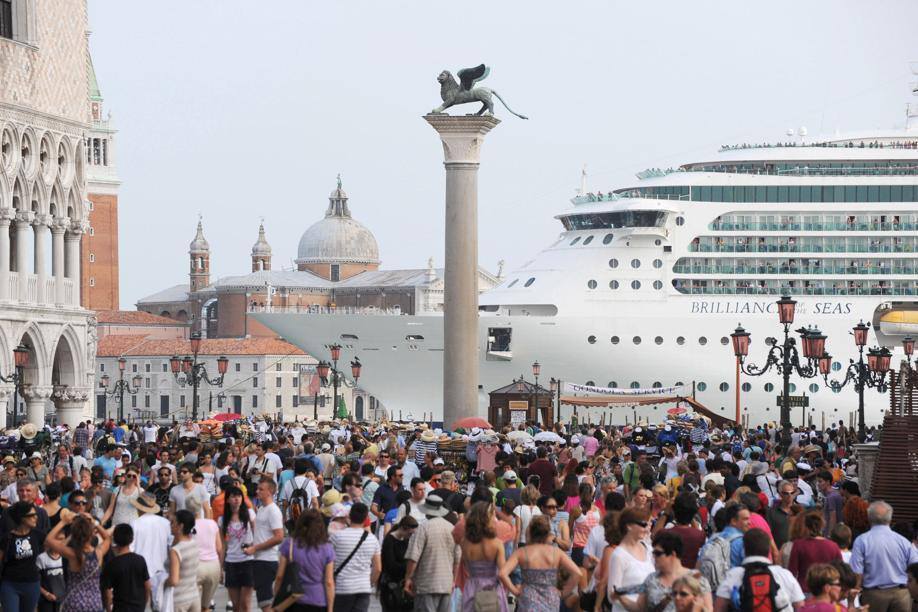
[{"x": 900, "y": 323}]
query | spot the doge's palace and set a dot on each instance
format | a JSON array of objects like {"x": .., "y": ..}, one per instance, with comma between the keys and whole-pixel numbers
[{"x": 44, "y": 118}]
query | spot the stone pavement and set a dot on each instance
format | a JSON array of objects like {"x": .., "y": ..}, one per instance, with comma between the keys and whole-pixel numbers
[{"x": 221, "y": 597}]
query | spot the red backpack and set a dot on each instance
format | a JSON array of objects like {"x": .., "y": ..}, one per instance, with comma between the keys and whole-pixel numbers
[{"x": 759, "y": 588}]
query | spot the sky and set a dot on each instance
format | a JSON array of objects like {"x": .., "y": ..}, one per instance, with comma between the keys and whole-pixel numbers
[{"x": 239, "y": 110}]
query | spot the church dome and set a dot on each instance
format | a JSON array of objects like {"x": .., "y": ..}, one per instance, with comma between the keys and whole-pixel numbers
[
  {"x": 261, "y": 248},
  {"x": 338, "y": 238},
  {"x": 199, "y": 244}
]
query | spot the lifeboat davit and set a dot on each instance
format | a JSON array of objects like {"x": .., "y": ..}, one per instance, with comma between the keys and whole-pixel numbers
[{"x": 900, "y": 323}]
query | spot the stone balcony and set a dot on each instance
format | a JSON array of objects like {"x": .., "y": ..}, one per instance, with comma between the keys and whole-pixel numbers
[{"x": 25, "y": 288}]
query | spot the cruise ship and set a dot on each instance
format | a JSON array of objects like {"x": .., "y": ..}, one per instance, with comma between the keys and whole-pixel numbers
[{"x": 646, "y": 281}]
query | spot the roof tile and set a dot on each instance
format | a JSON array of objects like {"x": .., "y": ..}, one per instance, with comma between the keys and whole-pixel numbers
[
  {"x": 141, "y": 346},
  {"x": 134, "y": 317}
]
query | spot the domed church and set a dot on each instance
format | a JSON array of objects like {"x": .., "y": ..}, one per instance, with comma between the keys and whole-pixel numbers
[{"x": 336, "y": 267}]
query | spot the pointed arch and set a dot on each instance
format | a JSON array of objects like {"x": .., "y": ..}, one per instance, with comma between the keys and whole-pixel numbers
[
  {"x": 6, "y": 195},
  {"x": 74, "y": 206},
  {"x": 36, "y": 373},
  {"x": 38, "y": 202},
  {"x": 68, "y": 360},
  {"x": 17, "y": 202}
]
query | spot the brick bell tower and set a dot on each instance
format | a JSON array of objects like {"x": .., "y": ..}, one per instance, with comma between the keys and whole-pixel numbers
[{"x": 199, "y": 254}]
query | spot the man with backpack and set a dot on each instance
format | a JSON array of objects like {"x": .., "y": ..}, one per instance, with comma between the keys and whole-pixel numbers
[
  {"x": 758, "y": 585},
  {"x": 300, "y": 493},
  {"x": 724, "y": 550}
]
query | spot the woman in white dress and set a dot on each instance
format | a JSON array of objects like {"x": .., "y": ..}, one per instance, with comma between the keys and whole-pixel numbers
[
  {"x": 632, "y": 560},
  {"x": 120, "y": 509}
]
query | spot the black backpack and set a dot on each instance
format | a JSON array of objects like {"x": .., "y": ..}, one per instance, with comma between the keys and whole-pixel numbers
[{"x": 759, "y": 589}]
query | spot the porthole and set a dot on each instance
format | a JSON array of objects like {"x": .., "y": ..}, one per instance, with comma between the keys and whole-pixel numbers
[
  {"x": 679, "y": 383},
  {"x": 529, "y": 282},
  {"x": 635, "y": 384},
  {"x": 607, "y": 238},
  {"x": 658, "y": 340},
  {"x": 657, "y": 384},
  {"x": 591, "y": 339},
  {"x": 814, "y": 388},
  {"x": 613, "y": 285},
  {"x": 702, "y": 341},
  {"x": 725, "y": 341},
  {"x": 636, "y": 339},
  {"x": 575, "y": 241},
  {"x": 793, "y": 387},
  {"x": 836, "y": 390},
  {"x": 613, "y": 263},
  {"x": 702, "y": 386},
  {"x": 657, "y": 285},
  {"x": 635, "y": 284},
  {"x": 769, "y": 387},
  {"x": 680, "y": 340},
  {"x": 588, "y": 240},
  {"x": 515, "y": 281},
  {"x": 591, "y": 284},
  {"x": 590, "y": 383},
  {"x": 680, "y": 221},
  {"x": 613, "y": 384},
  {"x": 724, "y": 387},
  {"x": 836, "y": 366},
  {"x": 614, "y": 339},
  {"x": 657, "y": 242},
  {"x": 635, "y": 263},
  {"x": 657, "y": 263},
  {"x": 746, "y": 387}
]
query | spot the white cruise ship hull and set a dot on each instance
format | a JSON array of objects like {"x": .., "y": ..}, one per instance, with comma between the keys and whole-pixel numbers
[{"x": 406, "y": 373}]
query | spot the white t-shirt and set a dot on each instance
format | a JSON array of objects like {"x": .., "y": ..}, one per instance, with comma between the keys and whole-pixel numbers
[
  {"x": 355, "y": 577},
  {"x": 152, "y": 538},
  {"x": 178, "y": 494},
  {"x": 789, "y": 591},
  {"x": 805, "y": 496},
  {"x": 300, "y": 482},
  {"x": 267, "y": 519},
  {"x": 410, "y": 471},
  {"x": 264, "y": 466},
  {"x": 525, "y": 514},
  {"x": 415, "y": 507},
  {"x": 276, "y": 462},
  {"x": 149, "y": 434},
  {"x": 626, "y": 571}
]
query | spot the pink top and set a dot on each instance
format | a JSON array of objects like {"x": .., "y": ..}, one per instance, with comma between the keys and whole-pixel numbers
[
  {"x": 583, "y": 525},
  {"x": 487, "y": 457},
  {"x": 758, "y": 521},
  {"x": 590, "y": 445},
  {"x": 205, "y": 537}
]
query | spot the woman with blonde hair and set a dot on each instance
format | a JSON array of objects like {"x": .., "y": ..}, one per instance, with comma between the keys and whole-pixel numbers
[
  {"x": 687, "y": 594},
  {"x": 824, "y": 582},
  {"x": 525, "y": 511}
]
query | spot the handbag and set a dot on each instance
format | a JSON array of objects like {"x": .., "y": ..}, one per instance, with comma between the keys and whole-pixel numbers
[
  {"x": 486, "y": 601},
  {"x": 291, "y": 584}
]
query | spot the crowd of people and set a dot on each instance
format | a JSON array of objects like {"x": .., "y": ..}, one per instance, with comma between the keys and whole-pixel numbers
[{"x": 312, "y": 517}]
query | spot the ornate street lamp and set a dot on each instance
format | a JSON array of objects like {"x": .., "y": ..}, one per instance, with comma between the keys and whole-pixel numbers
[
  {"x": 188, "y": 370},
  {"x": 323, "y": 369},
  {"x": 20, "y": 363},
  {"x": 536, "y": 370},
  {"x": 872, "y": 374},
  {"x": 120, "y": 387},
  {"x": 784, "y": 357}
]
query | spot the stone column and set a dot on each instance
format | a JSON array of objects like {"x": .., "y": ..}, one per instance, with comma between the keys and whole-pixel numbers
[
  {"x": 23, "y": 226},
  {"x": 71, "y": 408},
  {"x": 36, "y": 399},
  {"x": 461, "y": 138},
  {"x": 58, "y": 229},
  {"x": 72, "y": 260},
  {"x": 40, "y": 227},
  {"x": 6, "y": 216}
]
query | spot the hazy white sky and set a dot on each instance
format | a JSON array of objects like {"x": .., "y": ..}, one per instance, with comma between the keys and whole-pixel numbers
[{"x": 241, "y": 110}]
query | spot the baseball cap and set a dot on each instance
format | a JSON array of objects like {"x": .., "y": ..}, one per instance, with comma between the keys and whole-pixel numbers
[{"x": 509, "y": 475}]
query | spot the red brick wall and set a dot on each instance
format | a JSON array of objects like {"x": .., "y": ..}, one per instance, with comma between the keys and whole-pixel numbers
[
  {"x": 99, "y": 278},
  {"x": 345, "y": 270}
]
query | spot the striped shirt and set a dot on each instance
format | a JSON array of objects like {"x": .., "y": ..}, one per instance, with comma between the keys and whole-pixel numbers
[
  {"x": 422, "y": 448},
  {"x": 355, "y": 577}
]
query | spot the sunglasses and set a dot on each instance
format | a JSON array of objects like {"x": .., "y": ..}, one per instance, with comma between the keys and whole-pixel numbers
[
  {"x": 30, "y": 514},
  {"x": 552, "y": 507},
  {"x": 658, "y": 553},
  {"x": 184, "y": 472},
  {"x": 132, "y": 475},
  {"x": 641, "y": 524},
  {"x": 77, "y": 502}
]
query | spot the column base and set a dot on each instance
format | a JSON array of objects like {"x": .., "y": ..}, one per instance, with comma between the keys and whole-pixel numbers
[{"x": 71, "y": 413}]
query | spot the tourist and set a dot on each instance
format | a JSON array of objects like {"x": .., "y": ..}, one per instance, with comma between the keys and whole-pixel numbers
[
  {"x": 482, "y": 559},
  {"x": 188, "y": 488},
  {"x": 540, "y": 564},
  {"x": 268, "y": 534},
  {"x": 125, "y": 581},
  {"x": 52, "y": 505},
  {"x": 236, "y": 528},
  {"x": 206, "y": 468},
  {"x": 757, "y": 545},
  {"x": 38, "y": 471},
  {"x": 357, "y": 563},
  {"x": 684, "y": 509},
  {"x": 824, "y": 583},
  {"x": 779, "y": 515},
  {"x": 392, "y": 595},
  {"x": 184, "y": 557},
  {"x": 20, "y": 547},
  {"x": 162, "y": 486},
  {"x": 560, "y": 530},
  {"x": 811, "y": 550},
  {"x": 657, "y": 593},
  {"x": 121, "y": 509},
  {"x": 584, "y": 517},
  {"x": 308, "y": 547},
  {"x": 300, "y": 493},
  {"x": 882, "y": 558},
  {"x": 842, "y": 537},
  {"x": 84, "y": 550},
  {"x": 415, "y": 504},
  {"x": 688, "y": 595},
  {"x": 525, "y": 511},
  {"x": 632, "y": 560},
  {"x": 53, "y": 585},
  {"x": 832, "y": 503},
  {"x": 855, "y": 508},
  {"x": 432, "y": 558},
  {"x": 210, "y": 549}
]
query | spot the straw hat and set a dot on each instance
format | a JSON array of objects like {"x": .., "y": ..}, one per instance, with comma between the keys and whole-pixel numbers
[
  {"x": 434, "y": 506},
  {"x": 28, "y": 431},
  {"x": 428, "y": 436},
  {"x": 145, "y": 503},
  {"x": 329, "y": 499}
]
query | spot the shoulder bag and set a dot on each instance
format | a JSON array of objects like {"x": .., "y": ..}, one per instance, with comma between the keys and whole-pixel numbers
[
  {"x": 353, "y": 552},
  {"x": 291, "y": 584}
]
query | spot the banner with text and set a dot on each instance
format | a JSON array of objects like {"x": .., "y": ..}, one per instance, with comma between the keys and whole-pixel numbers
[{"x": 571, "y": 388}]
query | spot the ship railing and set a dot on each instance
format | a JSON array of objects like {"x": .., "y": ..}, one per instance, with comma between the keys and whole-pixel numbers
[{"x": 341, "y": 310}]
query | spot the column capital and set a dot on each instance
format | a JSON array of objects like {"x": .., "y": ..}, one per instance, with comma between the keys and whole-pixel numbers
[
  {"x": 461, "y": 136},
  {"x": 7, "y": 215},
  {"x": 41, "y": 219},
  {"x": 75, "y": 394},
  {"x": 76, "y": 228},
  {"x": 60, "y": 225},
  {"x": 36, "y": 392},
  {"x": 25, "y": 217}
]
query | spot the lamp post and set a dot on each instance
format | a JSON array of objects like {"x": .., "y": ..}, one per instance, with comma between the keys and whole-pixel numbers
[
  {"x": 536, "y": 370},
  {"x": 20, "y": 363},
  {"x": 872, "y": 374},
  {"x": 188, "y": 369},
  {"x": 324, "y": 368},
  {"x": 121, "y": 386},
  {"x": 785, "y": 358}
]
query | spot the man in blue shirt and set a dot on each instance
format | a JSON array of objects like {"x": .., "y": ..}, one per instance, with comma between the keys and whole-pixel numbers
[
  {"x": 109, "y": 461},
  {"x": 881, "y": 556},
  {"x": 737, "y": 524}
]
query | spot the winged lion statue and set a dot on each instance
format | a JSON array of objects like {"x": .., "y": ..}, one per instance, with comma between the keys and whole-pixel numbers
[{"x": 464, "y": 91}]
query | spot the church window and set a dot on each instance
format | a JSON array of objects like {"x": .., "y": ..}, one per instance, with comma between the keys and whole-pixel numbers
[
  {"x": 92, "y": 257},
  {"x": 335, "y": 272}
]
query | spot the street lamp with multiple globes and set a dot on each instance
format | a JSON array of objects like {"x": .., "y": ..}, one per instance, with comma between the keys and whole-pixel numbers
[
  {"x": 536, "y": 370},
  {"x": 188, "y": 370},
  {"x": 872, "y": 374},
  {"x": 20, "y": 363},
  {"x": 324, "y": 368},
  {"x": 785, "y": 358},
  {"x": 120, "y": 387}
]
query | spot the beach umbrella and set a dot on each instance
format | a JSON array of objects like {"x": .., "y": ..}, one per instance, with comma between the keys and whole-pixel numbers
[{"x": 470, "y": 422}]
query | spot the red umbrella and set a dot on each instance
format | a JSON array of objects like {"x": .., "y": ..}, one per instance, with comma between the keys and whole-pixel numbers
[
  {"x": 226, "y": 416},
  {"x": 676, "y": 411},
  {"x": 470, "y": 422}
]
